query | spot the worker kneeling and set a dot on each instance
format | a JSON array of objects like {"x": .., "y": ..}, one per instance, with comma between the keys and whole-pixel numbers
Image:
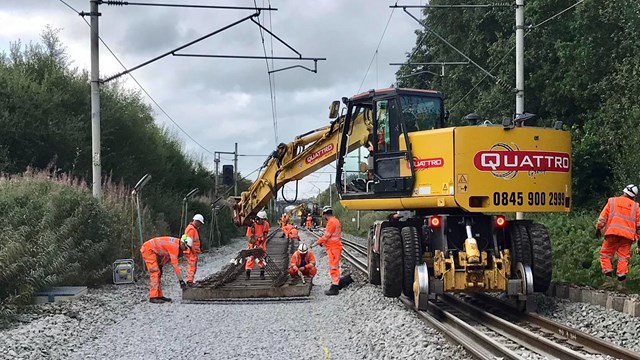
[
  {"x": 154, "y": 252},
  {"x": 303, "y": 262}
]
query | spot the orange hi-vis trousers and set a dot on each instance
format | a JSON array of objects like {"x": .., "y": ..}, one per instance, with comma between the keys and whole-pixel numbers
[
  {"x": 151, "y": 261},
  {"x": 251, "y": 260},
  {"x": 308, "y": 271},
  {"x": 334, "y": 264},
  {"x": 192, "y": 265},
  {"x": 614, "y": 244}
]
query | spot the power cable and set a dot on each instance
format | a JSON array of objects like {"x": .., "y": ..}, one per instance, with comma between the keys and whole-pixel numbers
[
  {"x": 271, "y": 89},
  {"x": 513, "y": 48},
  {"x": 140, "y": 85},
  {"x": 375, "y": 53}
]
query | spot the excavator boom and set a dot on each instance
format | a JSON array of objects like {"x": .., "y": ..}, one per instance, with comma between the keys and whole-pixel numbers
[{"x": 289, "y": 162}]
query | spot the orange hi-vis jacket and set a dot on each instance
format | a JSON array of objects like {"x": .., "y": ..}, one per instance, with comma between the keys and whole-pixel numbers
[
  {"x": 260, "y": 231},
  {"x": 620, "y": 217},
  {"x": 296, "y": 259},
  {"x": 287, "y": 230},
  {"x": 193, "y": 233},
  {"x": 165, "y": 246},
  {"x": 332, "y": 234},
  {"x": 293, "y": 234}
]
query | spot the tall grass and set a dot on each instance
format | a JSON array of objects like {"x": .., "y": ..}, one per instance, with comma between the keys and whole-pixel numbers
[{"x": 52, "y": 231}]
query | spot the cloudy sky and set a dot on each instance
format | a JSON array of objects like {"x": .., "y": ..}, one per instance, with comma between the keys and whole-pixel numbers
[{"x": 222, "y": 101}]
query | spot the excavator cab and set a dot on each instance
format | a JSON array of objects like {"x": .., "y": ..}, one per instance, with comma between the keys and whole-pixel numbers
[{"x": 379, "y": 166}]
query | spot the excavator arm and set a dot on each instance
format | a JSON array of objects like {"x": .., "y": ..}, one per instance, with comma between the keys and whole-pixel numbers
[{"x": 289, "y": 162}]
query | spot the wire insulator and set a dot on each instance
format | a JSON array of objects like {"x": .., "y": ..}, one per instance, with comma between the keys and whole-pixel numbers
[{"x": 115, "y": 2}]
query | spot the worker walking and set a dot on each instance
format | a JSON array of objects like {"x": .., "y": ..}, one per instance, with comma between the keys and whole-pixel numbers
[
  {"x": 191, "y": 232},
  {"x": 332, "y": 242},
  {"x": 309, "y": 222},
  {"x": 303, "y": 262},
  {"x": 257, "y": 234},
  {"x": 620, "y": 220},
  {"x": 155, "y": 253}
]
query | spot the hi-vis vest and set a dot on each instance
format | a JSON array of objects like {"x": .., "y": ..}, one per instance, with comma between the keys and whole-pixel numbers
[
  {"x": 620, "y": 217},
  {"x": 332, "y": 234}
]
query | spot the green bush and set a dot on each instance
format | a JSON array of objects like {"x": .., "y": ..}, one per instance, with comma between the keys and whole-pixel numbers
[{"x": 52, "y": 231}]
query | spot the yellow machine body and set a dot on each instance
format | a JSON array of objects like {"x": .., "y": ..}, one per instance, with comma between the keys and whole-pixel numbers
[{"x": 485, "y": 169}]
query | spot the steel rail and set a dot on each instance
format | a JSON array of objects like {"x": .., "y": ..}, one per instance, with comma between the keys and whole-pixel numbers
[
  {"x": 532, "y": 341},
  {"x": 482, "y": 346},
  {"x": 589, "y": 342}
]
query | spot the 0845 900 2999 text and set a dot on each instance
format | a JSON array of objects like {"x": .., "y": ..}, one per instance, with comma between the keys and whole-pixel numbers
[{"x": 532, "y": 198}]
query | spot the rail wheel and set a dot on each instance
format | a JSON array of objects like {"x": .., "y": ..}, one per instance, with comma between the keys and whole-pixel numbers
[
  {"x": 541, "y": 263},
  {"x": 373, "y": 260},
  {"x": 391, "y": 262},
  {"x": 421, "y": 287},
  {"x": 524, "y": 273},
  {"x": 411, "y": 258}
]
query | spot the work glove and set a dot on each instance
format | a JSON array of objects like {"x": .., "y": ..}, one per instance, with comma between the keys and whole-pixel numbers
[
  {"x": 183, "y": 285},
  {"x": 598, "y": 233},
  {"x": 638, "y": 251}
]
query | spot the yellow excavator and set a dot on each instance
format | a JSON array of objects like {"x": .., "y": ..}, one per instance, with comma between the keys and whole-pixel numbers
[{"x": 445, "y": 186}]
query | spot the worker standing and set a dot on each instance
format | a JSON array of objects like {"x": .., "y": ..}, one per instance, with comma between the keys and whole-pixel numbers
[
  {"x": 191, "y": 232},
  {"x": 620, "y": 220},
  {"x": 309, "y": 222},
  {"x": 332, "y": 242},
  {"x": 303, "y": 262},
  {"x": 257, "y": 234},
  {"x": 154, "y": 253}
]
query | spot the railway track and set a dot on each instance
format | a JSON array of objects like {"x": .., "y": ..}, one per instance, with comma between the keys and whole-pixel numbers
[{"x": 490, "y": 328}]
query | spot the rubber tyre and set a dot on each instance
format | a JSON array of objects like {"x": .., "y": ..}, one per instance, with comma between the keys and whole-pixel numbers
[
  {"x": 541, "y": 257},
  {"x": 391, "y": 262},
  {"x": 411, "y": 257},
  {"x": 520, "y": 244},
  {"x": 373, "y": 261}
]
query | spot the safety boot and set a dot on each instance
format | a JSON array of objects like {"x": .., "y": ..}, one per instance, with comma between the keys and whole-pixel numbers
[
  {"x": 156, "y": 300},
  {"x": 333, "y": 290},
  {"x": 166, "y": 299},
  {"x": 247, "y": 274},
  {"x": 262, "y": 274},
  {"x": 189, "y": 284},
  {"x": 345, "y": 281}
]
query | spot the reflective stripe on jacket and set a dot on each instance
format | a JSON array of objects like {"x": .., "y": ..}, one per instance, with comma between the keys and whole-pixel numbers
[
  {"x": 165, "y": 246},
  {"x": 332, "y": 234},
  {"x": 620, "y": 217},
  {"x": 296, "y": 259}
]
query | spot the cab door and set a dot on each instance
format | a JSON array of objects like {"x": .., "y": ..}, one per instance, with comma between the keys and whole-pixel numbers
[{"x": 390, "y": 177}]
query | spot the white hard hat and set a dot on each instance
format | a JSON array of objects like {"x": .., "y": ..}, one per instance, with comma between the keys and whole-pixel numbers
[
  {"x": 327, "y": 209},
  {"x": 262, "y": 214},
  {"x": 631, "y": 190},
  {"x": 187, "y": 241},
  {"x": 199, "y": 218},
  {"x": 303, "y": 248}
]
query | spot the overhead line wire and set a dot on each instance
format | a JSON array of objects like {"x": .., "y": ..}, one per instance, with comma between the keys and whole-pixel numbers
[
  {"x": 513, "y": 48},
  {"x": 375, "y": 53},
  {"x": 271, "y": 90},
  {"x": 140, "y": 85}
]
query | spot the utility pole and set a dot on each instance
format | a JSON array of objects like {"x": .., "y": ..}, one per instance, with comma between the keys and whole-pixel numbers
[
  {"x": 216, "y": 160},
  {"x": 330, "y": 192},
  {"x": 519, "y": 67},
  {"x": 235, "y": 171},
  {"x": 95, "y": 101}
]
